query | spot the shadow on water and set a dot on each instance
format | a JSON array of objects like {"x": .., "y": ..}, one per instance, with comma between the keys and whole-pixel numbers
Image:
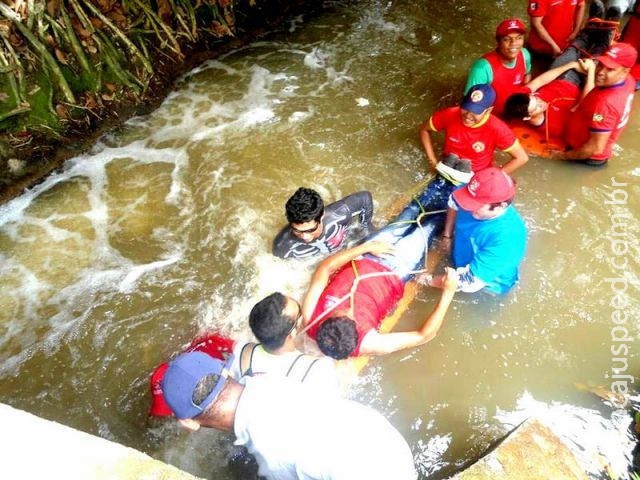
[{"x": 164, "y": 229}]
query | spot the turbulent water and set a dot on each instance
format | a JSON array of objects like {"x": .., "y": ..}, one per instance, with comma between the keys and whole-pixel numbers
[{"x": 164, "y": 230}]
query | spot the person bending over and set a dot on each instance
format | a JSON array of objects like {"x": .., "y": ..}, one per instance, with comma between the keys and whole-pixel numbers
[
  {"x": 292, "y": 431},
  {"x": 275, "y": 321},
  {"x": 489, "y": 235}
]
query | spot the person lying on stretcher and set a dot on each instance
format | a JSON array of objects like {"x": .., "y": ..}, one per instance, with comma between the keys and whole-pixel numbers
[{"x": 352, "y": 291}]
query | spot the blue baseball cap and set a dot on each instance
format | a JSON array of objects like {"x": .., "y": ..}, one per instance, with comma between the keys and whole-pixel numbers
[
  {"x": 183, "y": 375},
  {"x": 479, "y": 98}
]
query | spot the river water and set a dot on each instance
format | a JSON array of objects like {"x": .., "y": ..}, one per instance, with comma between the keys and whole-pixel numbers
[{"x": 163, "y": 231}]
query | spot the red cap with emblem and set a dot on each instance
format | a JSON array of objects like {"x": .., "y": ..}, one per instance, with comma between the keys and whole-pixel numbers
[{"x": 491, "y": 185}]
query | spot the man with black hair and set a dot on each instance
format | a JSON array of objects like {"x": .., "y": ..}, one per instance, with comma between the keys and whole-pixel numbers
[
  {"x": 275, "y": 321},
  {"x": 315, "y": 230},
  {"x": 352, "y": 291},
  {"x": 505, "y": 68},
  {"x": 547, "y": 100},
  {"x": 283, "y": 425}
]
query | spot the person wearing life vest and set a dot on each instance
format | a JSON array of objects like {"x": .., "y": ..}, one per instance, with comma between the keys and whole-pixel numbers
[
  {"x": 507, "y": 67},
  {"x": 546, "y": 102}
]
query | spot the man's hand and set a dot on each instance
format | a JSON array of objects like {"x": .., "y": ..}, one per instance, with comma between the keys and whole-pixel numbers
[
  {"x": 586, "y": 64},
  {"x": 378, "y": 247}
]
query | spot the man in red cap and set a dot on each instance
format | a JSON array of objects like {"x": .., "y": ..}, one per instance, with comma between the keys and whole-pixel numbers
[
  {"x": 507, "y": 67},
  {"x": 604, "y": 112},
  {"x": 489, "y": 235},
  {"x": 554, "y": 24}
]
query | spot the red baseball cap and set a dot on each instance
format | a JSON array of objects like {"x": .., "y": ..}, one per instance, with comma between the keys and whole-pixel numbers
[
  {"x": 159, "y": 407},
  {"x": 619, "y": 55},
  {"x": 510, "y": 25},
  {"x": 491, "y": 185}
]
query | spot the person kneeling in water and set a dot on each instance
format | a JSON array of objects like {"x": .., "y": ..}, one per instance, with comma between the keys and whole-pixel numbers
[{"x": 351, "y": 292}]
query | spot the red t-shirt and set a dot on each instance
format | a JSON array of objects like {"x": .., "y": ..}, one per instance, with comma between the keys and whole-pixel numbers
[
  {"x": 558, "y": 19},
  {"x": 631, "y": 35},
  {"x": 374, "y": 297},
  {"x": 506, "y": 81},
  {"x": 604, "y": 109},
  {"x": 561, "y": 95},
  {"x": 477, "y": 143}
]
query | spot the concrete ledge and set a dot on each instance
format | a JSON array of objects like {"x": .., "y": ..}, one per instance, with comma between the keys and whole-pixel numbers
[
  {"x": 36, "y": 448},
  {"x": 531, "y": 452}
]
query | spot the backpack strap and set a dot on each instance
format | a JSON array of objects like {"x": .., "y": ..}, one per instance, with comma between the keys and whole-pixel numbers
[
  {"x": 293, "y": 364},
  {"x": 243, "y": 356},
  {"x": 306, "y": 372},
  {"x": 308, "y": 369}
]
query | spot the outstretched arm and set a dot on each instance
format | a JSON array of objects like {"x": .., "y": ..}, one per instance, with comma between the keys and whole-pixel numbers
[
  {"x": 550, "y": 75},
  {"x": 330, "y": 265},
  {"x": 375, "y": 343}
]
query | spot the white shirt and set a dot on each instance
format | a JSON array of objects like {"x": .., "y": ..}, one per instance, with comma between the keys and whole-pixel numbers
[
  {"x": 298, "y": 434},
  {"x": 316, "y": 372}
]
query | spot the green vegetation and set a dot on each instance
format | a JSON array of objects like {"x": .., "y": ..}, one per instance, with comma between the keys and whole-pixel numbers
[{"x": 64, "y": 61}]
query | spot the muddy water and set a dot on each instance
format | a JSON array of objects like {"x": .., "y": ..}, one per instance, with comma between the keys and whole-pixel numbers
[{"x": 163, "y": 231}]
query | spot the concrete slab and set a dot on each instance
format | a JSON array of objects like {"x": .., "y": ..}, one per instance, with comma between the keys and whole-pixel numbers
[{"x": 33, "y": 447}]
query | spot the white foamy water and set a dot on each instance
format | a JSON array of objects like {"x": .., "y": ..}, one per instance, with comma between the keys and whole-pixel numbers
[{"x": 164, "y": 229}]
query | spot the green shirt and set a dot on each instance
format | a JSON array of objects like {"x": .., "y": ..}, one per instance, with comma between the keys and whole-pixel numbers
[{"x": 481, "y": 71}]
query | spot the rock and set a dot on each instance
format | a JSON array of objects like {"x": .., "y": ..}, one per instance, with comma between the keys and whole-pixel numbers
[{"x": 531, "y": 452}]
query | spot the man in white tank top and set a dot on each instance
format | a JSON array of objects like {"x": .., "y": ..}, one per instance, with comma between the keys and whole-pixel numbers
[{"x": 275, "y": 321}]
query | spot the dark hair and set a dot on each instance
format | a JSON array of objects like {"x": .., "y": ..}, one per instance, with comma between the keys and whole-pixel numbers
[
  {"x": 493, "y": 206},
  {"x": 337, "y": 337},
  {"x": 268, "y": 322},
  {"x": 517, "y": 106},
  {"x": 304, "y": 205}
]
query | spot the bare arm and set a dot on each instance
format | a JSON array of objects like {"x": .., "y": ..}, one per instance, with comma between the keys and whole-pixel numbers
[
  {"x": 550, "y": 75},
  {"x": 578, "y": 22},
  {"x": 375, "y": 343},
  {"x": 518, "y": 158},
  {"x": 425, "y": 138},
  {"x": 329, "y": 266},
  {"x": 536, "y": 24},
  {"x": 593, "y": 146},
  {"x": 588, "y": 67}
]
